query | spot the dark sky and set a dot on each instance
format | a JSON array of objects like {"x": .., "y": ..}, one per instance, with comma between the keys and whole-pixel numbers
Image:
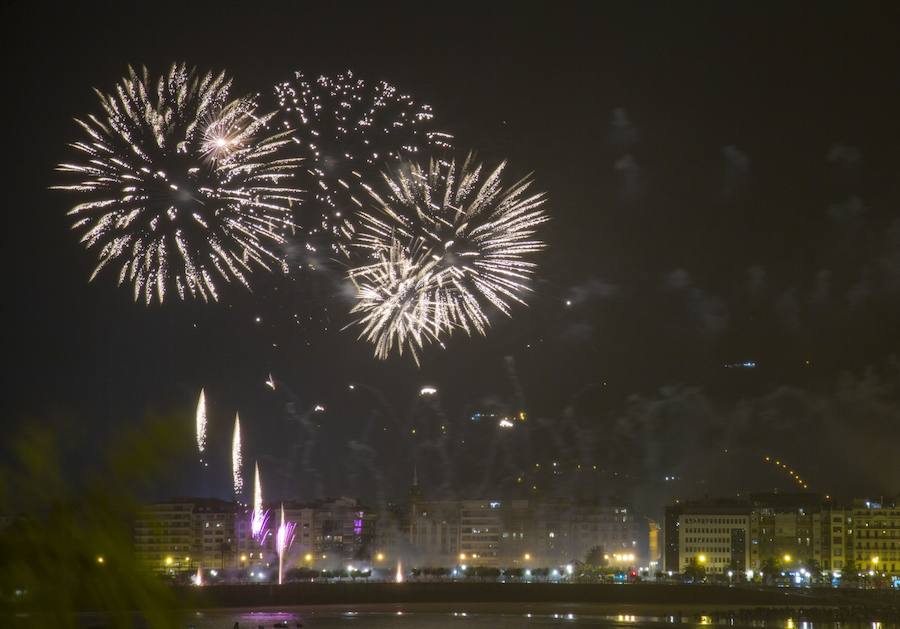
[{"x": 723, "y": 184}]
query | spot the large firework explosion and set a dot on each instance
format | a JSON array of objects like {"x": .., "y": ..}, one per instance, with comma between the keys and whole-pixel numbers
[
  {"x": 395, "y": 301},
  {"x": 181, "y": 186},
  {"x": 446, "y": 243},
  {"x": 345, "y": 126}
]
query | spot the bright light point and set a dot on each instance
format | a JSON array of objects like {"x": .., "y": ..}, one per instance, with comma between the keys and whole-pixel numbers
[
  {"x": 701, "y": 558},
  {"x": 379, "y": 557},
  {"x": 527, "y": 556},
  {"x": 428, "y": 391},
  {"x": 220, "y": 142},
  {"x": 318, "y": 408},
  {"x": 100, "y": 559},
  {"x": 786, "y": 558}
]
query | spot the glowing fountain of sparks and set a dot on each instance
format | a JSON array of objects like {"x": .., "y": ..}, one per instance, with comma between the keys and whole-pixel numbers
[
  {"x": 198, "y": 578},
  {"x": 259, "y": 518},
  {"x": 237, "y": 459},
  {"x": 201, "y": 426},
  {"x": 283, "y": 540},
  {"x": 446, "y": 242},
  {"x": 181, "y": 187},
  {"x": 398, "y": 578}
]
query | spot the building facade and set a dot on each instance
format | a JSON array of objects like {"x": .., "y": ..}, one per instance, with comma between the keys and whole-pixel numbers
[
  {"x": 185, "y": 534},
  {"x": 710, "y": 533},
  {"x": 189, "y": 533},
  {"x": 790, "y": 531}
]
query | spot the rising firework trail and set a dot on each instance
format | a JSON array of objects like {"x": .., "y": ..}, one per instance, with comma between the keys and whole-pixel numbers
[
  {"x": 237, "y": 459},
  {"x": 259, "y": 517},
  {"x": 449, "y": 240},
  {"x": 283, "y": 540},
  {"x": 201, "y": 427},
  {"x": 181, "y": 187}
]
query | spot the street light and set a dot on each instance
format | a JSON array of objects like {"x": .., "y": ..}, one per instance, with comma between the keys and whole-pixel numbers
[
  {"x": 100, "y": 559},
  {"x": 787, "y": 558},
  {"x": 462, "y": 556},
  {"x": 701, "y": 558},
  {"x": 169, "y": 561},
  {"x": 379, "y": 557},
  {"x": 307, "y": 557},
  {"x": 527, "y": 556}
]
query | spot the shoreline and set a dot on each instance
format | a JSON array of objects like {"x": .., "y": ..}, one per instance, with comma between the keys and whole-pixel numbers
[{"x": 661, "y": 599}]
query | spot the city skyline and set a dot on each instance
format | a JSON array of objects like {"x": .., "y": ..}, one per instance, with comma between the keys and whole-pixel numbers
[{"x": 720, "y": 272}]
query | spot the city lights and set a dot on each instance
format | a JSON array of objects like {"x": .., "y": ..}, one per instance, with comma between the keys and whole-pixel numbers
[{"x": 726, "y": 253}]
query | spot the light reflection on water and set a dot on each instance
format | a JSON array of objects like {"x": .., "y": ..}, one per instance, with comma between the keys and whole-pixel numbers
[{"x": 382, "y": 618}]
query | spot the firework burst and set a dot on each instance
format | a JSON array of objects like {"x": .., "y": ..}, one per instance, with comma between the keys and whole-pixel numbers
[
  {"x": 181, "y": 186},
  {"x": 446, "y": 243},
  {"x": 344, "y": 126},
  {"x": 395, "y": 301}
]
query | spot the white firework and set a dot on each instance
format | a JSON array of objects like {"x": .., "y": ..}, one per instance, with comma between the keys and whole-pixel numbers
[
  {"x": 181, "y": 187},
  {"x": 446, "y": 244},
  {"x": 237, "y": 458},
  {"x": 395, "y": 302},
  {"x": 201, "y": 424},
  {"x": 343, "y": 126}
]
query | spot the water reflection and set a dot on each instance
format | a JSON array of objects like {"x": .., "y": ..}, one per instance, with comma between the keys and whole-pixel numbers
[{"x": 493, "y": 616}]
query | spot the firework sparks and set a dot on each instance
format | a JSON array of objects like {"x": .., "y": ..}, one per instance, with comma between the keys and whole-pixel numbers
[
  {"x": 343, "y": 126},
  {"x": 446, "y": 243},
  {"x": 259, "y": 518},
  {"x": 395, "y": 302},
  {"x": 398, "y": 577},
  {"x": 181, "y": 187},
  {"x": 237, "y": 458},
  {"x": 201, "y": 425},
  {"x": 283, "y": 540}
]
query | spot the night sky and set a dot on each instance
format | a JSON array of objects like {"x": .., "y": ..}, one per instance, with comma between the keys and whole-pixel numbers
[{"x": 723, "y": 185}]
